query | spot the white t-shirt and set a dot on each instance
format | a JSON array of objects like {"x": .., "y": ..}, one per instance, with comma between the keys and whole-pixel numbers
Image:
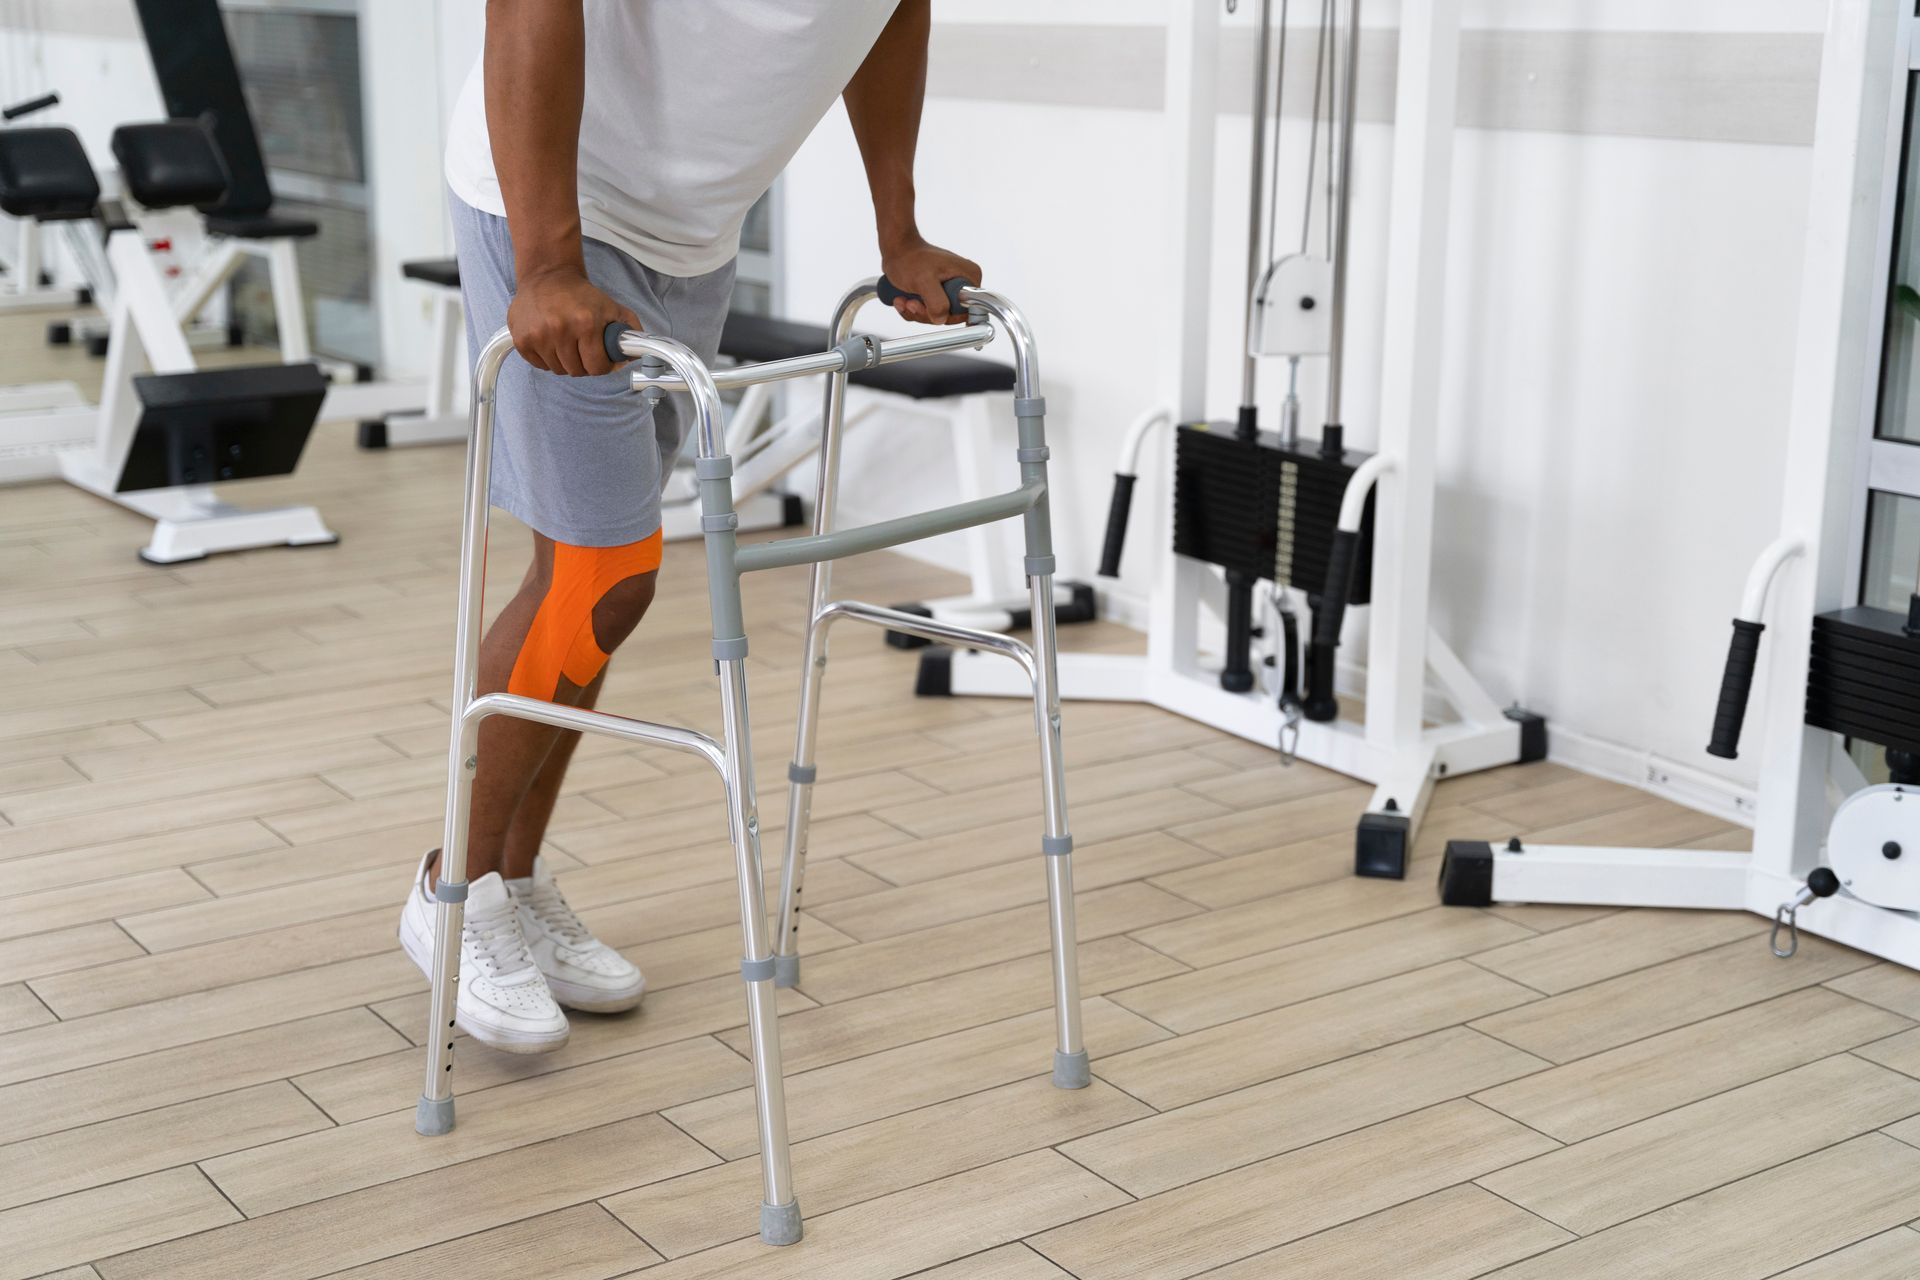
[{"x": 692, "y": 109}]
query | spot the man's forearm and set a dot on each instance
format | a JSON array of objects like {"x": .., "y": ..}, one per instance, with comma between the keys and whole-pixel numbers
[
  {"x": 536, "y": 82},
  {"x": 883, "y": 100}
]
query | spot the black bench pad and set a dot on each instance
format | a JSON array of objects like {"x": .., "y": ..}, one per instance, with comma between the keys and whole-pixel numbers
[
  {"x": 440, "y": 271},
  {"x": 757, "y": 338},
  {"x": 45, "y": 174},
  {"x": 169, "y": 164},
  {"x": 261, "y": 226}
]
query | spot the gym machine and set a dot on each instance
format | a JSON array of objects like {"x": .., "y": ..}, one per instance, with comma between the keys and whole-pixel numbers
[
  {"x": 1325, "y": 525},
  {"x": 162, "y": 432},
  {"x": 24, "y": 281},
  {"x": 199, "y": 79},
  {"x": 1840, "y": 688},
  {"x": 667, "y": 367}
]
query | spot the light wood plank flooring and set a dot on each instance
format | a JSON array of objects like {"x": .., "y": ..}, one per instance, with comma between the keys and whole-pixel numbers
[{"x": 215, "y": 780}]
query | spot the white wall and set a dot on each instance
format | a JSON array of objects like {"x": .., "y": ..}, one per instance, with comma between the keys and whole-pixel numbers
[{"x": 1617, "y": 372}]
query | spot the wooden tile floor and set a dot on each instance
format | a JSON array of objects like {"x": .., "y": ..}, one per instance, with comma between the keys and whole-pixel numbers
[{"x": 215, "y": 780}]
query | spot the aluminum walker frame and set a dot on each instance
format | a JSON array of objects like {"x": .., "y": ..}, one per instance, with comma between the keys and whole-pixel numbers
[{"x": 770, "y": 957}]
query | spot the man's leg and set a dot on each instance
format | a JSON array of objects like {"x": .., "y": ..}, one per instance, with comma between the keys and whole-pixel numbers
[
  {"x": 522, "y": 763},
  {"x": 523, "y": 948},
  {"x": 527, "y": 829}
]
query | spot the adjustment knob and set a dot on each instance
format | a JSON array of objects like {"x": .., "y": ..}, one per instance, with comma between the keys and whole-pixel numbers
[
  {"x": 1890, "y": 850},
  {"x": 1823, "y": 882}
]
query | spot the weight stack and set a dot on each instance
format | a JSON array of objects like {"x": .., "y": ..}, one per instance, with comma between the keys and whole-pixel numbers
[
  {"x": 1863, "y": 677},
  {"x": 1264, "y": 509}
]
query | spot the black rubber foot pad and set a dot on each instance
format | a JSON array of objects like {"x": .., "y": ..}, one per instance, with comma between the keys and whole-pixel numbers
[
  {"x": 373, "y": 434},
  {"x": 936, "y": 673},
  {"x": 900, "y": 639},
  {"x": 1081, "y": 605},
  {"x": 1466, "y": 874},
  {"x": 1380, "y": 846},
  {"x": 1533, "y": 734}
]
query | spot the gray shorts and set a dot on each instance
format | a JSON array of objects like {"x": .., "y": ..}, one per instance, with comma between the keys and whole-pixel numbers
[{"x": 582, "y": 459}]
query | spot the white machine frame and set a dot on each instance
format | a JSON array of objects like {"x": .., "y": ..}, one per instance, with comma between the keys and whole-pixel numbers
[
  {"x": 443, "y": 418},
  {"x": 348, "y": 399},
  {"x": 1832, "y": 460},
  {"x": 20, "y": 288},
  {"x": 49, "y": 431},
  {"x": 1394, "y": 746}
]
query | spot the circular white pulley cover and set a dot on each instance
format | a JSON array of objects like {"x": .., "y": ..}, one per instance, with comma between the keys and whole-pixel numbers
[
  {"x": 1874, "y": 846},
  {"x": 1292, "y": 308}
]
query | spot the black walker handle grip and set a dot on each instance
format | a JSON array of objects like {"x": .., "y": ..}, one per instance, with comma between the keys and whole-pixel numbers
[
  {"x": 30, "y": 106},
  {"x": 1117, "y": 512},
  {"x": 611, "y": 336},
  {"x": 1736, "y": 682},
  {"x": 890, "y": 293},
  {"x": 1321, "y": 704}
]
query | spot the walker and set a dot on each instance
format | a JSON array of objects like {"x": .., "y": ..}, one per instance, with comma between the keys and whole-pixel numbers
[{"x": 771, "y": 956}]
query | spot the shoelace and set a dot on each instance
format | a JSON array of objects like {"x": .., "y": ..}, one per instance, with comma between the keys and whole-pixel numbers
[
  {"x": 496, "y": 937},
  {"x": 552, "y": 911}
]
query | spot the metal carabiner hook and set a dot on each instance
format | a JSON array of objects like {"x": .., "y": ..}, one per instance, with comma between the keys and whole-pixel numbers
[
  {"x": 1784, "y": 918},
  {"x": 1822, "y": 883},
  {"x": 1290, "y": 735}
]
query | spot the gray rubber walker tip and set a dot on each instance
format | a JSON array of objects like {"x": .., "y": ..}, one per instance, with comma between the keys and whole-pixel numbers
[
  {"x": 433, "y": 1118},
  {"x": 1071, "y": 1070},
  {"x": 780, "y": 1223}
]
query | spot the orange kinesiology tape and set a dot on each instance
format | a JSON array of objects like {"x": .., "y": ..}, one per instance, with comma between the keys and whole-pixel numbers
[{"x": 561, "y": 641}]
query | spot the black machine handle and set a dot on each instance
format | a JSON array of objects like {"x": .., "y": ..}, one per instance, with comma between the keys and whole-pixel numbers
[
  {"x": 611, "y": 336},
  {"x": 1117, "y": 511},
  {"x": 30, "y": 106},
  {"x": 890, "y": 293},
  {"x": 1328, "y": 616},
  {"x": 1736, "y": 682}
]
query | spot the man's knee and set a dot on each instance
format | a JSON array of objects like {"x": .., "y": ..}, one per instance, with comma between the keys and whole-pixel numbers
[
  {"x": 619, "y": 611},
  {"x": 594, "y": 597}
]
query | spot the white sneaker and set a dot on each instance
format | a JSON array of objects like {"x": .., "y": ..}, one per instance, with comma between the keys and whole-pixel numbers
[
  {"x": 581, "y": 971},
  {"x": 503, "y": 1002}
]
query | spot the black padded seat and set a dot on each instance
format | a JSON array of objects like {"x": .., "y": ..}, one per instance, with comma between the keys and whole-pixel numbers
[
  {"x": 261, "y": 226},
  {"x": 170, "y": 163},
  {"x": 45, "y": 175},
  {"x": 757, "y": 338},
  {"x": 440, "y": 271}
]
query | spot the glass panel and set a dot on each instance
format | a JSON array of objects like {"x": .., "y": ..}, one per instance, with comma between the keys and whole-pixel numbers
[
  {"x": 1899, "y": 417},
  {"x": 1893, "y": 551},
  {"x": 302, "y": 76},
  {"x": 301, "y": 71}
]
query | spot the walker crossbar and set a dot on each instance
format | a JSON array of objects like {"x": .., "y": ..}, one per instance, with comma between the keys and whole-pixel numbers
[
  {"x": 842, "y": 543},
  {"x": 933, "y": 629},
  {"x": 561, "y": 716},
  {"x": 769, "y": 955},
  {"x": 857, "y": 353}
]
